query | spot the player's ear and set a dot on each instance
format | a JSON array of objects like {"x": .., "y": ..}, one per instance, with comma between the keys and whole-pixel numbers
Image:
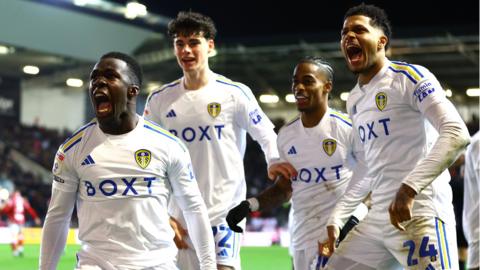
[
  {"x": 133, "y": 91},
  {"x": 382, "y": 42},
  {"x": 211, "y": 47},
  {"x": 327, "y": 87}
]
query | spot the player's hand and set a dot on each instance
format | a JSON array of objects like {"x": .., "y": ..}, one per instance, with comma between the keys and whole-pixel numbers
[
  {"x": 237, "y": 214},
  {"x": 327, "y": 248},
  {"x": 401, "y": 208},
  {"x": 37, "y": 221},
  {"x": 180, "y": 234},
  {"x": 284, "y": 169}
]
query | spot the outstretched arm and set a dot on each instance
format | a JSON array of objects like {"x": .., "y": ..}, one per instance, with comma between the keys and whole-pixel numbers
[{"x": 273, "y": 196}]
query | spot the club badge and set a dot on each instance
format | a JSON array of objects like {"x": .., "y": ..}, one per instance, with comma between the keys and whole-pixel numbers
[
  {"x": 381, "y": 100},
  {"x": 143, "y": 157},
  {"x": 214, "y": 109},
  {"x": 329, "y": 146}
]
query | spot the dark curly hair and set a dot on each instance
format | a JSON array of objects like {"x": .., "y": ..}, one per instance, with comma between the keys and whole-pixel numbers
[
  {"x": 136, "y": 75},
  {"x": 377, "y": 15},
  {"x": 189, "y": 22}
]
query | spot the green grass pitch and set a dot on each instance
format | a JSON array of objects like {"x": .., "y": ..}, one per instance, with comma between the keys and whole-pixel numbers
[{"x": 253, "y": 258}]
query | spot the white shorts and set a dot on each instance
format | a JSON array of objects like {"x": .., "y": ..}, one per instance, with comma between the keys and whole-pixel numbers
[
  {"x": 308, "y": 258},
  {"x": 227, "y": 248},
  {"x": 427, "y": 244},
  {"x": 473, "y": 254}
]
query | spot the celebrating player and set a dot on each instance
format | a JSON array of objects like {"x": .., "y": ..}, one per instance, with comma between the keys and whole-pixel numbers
[
  {"x": 410, "y": 134},
  {"x": 121, "y": 171},
  {"x": 211, "y": 114},
  {"x": 319, "y": 146}
]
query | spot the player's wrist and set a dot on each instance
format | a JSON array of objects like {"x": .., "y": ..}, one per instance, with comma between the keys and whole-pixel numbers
[{"x": 253, "y": 204}]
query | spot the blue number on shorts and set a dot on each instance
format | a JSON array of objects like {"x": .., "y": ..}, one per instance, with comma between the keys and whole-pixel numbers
[
  {"x": 411, "y": 250},
  {"x": 223, "y": 241},
  {"x": 425, "y": 250}
]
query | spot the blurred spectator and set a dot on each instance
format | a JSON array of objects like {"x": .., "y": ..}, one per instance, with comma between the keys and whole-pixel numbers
[{"x": 15, "y": 209}]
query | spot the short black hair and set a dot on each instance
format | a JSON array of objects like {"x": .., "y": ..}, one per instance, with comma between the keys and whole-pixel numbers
[
  {"x": 136, "y": 74},
  {"x": 320, "y": 62},
  {"x": 189, "y": 22},
  {"x": 377, "y": 15}
]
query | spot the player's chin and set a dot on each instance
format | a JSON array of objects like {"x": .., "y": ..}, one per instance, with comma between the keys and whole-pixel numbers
[{"x": 104, "y": 116}]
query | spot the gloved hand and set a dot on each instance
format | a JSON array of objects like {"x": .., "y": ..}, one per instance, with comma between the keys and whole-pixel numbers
[
  {"x": 352, "y": 222},
  {"x": 237, "y": 214}
]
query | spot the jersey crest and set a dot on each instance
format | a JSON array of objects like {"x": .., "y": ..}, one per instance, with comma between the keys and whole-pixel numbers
[
  {"x": 214, "y": 109},
  {"x": 329, "y": 146},
  {"x": 143, "y": 157},
  {"x": 381, "y": 100}
]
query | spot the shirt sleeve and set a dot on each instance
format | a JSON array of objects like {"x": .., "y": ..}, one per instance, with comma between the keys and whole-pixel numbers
[
  {"x": 151, "y": 107},
  {"x": 188, "y": 197},
  {"x": 428, "y": 96},
  {"x": 471, "y": 204},
  {"x": 62, "y": 202},
  {"x": 64, "y": 176},
  {"x": 55, "y": 228},
  {"x": 252, "y": 118}
]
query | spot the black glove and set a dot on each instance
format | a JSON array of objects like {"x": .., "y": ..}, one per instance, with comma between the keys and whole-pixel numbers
[
  {"x": 237, "y": 214},
  {"x": 352, "y": 222}
]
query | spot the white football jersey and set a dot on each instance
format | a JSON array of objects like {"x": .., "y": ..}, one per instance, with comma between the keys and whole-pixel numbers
[
  {"x": 123, "y": 184},
  {"x": 389, "y": 124},
  {"x": 212, "y": 122},
  {"x": 322, "y": 156},
  {"x": 471, "y": 203}
]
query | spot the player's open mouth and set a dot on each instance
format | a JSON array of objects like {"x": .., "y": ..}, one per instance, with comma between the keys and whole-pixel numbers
[
  {"x": 301, "y": 99},
  {"x": 188, "y": 60},
  {"x": 354, "y": 53},
  {"x": 103, "y": 104}
]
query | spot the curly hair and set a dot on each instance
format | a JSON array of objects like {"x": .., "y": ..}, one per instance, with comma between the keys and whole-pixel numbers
[
  {"x": 189, "y": 22},
  {"x": 377, "y": 15}
]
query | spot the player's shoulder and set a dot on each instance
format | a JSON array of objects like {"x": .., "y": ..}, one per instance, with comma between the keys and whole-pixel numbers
[
  {"x": 164, "y": 89},
  {"x": 411, "y": 73},
  {"x": 234, "y": 87},
  {"x": 76, "y": 138},
  {"x": 160, "y": 135},
  {"x": 339, "y": 118},
  {"x": 290, "y": 127}
]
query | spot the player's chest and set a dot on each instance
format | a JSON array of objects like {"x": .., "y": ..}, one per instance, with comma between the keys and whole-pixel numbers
[
  {"x": 109, "y": 160},
  {"x": 118, "y": 171},
  {"x": 207, "y": 108},
  {"x": 315, "y": 152},
  {"x": 381, "y": 112}
]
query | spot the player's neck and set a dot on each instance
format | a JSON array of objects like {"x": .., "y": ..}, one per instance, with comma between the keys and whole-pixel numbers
[
  {"x": 312, "y": 118},
  {"x": 367, "y": 75},
  {"x": 194, "y": 80},
  {"x": 126, "y": 123}
]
